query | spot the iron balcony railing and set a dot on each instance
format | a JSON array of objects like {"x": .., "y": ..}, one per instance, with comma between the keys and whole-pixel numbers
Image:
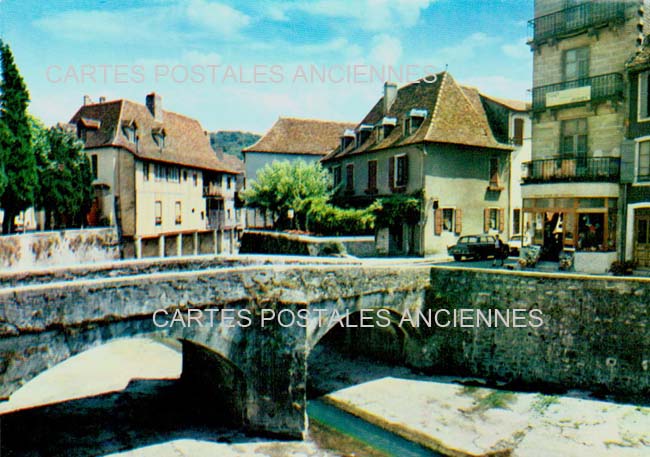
[
  {"x": 603, "y": 87},
  {"x": 580, "y": 169},
  {"x": 577, "y": 18}
]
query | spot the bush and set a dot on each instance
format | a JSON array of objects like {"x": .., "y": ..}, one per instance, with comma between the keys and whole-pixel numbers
[
  {"x": 329, "y": 220},
  {"x": 397, "y": 209}
]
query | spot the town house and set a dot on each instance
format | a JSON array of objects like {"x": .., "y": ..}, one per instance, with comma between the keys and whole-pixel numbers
[
  {"x": 432, "y": 140},
  {"x": 289, "y": 139},
  {"x": 157, "y": 179}
]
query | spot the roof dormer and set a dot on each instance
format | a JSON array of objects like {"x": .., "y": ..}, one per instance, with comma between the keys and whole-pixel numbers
[
  {"x": 158, "y": 135},
  {"x": 347, "y": 138},
  {"x": 414, "y": 120},
  {"x": 385, "y": 127},
  {"x": 363, "y": 133},
  {"x": 129, "y": 130}
]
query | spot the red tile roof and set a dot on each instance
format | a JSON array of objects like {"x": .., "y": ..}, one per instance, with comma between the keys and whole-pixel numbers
[
  {"x": 455, "y": 115},
  {"x": 185, "y": 141},
  {"x": 300, "y": 136}
]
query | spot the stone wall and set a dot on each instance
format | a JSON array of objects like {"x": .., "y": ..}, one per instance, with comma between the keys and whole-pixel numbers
[
  {"x": 266, "y": 242},
  {"x": 69, "y": 247},
  {"x": 596, "y": 332}
]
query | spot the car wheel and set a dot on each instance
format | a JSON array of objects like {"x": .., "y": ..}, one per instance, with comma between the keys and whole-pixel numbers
[{"x": 458, "y": 258}]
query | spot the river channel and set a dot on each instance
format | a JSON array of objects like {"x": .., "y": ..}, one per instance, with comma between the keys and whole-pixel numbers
[{"x": 76, "y": 409}]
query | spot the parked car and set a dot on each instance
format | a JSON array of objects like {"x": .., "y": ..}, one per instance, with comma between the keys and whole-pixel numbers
[
  {"x": 475, "y": 246},
  {"x": 516, "y": 242}
]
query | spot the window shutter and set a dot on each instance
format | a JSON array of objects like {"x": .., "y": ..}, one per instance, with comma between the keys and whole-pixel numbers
[
  {"x": 502, "y": 219},
  {"x": 406, "y": 170},
  {"x": 486, "y": 220},
  {"x": 438, "y": 221},
  {"x": 459, "y": 221},
  {"x": 519, "y": 132},
  {"x": 391, "y": 173},
  {"x": 628, "y": 151},
  {"x": 643, "y": 95}
]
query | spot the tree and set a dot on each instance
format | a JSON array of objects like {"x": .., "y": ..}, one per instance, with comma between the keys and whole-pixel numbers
[
  {"x": 284, "y": 186},
  {"x": 65, "y": 178},
  {"x": 17, "y": 154}
]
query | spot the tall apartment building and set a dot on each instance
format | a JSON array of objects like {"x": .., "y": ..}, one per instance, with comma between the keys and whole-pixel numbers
[{"x": 572, "y": 185}]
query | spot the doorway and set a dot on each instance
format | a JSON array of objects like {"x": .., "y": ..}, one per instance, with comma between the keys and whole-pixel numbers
[{"x": 642, "y": 237}]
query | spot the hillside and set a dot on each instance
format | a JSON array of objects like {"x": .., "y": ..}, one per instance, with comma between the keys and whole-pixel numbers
[{"x": 232, "y": 142}]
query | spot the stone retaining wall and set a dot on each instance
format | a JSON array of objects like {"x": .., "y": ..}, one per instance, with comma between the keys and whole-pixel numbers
[{"x": 596, "y": 332}]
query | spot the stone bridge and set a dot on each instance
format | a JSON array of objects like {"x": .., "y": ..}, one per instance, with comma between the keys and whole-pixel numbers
[{"x": 247, "y": 330}]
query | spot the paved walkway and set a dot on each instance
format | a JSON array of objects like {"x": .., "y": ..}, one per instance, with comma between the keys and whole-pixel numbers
[{"x": 476, "y": 421}]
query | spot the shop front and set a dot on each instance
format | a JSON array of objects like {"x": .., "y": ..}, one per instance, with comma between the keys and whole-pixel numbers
[{"x": 575, "y": 224}]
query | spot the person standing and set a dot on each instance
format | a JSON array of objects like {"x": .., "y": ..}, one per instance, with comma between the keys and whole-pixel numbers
[{"x": 499, "y": 251}]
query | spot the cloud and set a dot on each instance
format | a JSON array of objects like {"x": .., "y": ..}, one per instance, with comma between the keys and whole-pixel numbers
[
  {"x": 519, "y": 50},
  {"x": 501, "y": 86},
  {"x": 466, "y": 49},
  {"x": 386, "y": 50},
  {"x": 369, "y": 15},
  {"x": 168, "y": 22},
  {"x": 217, "y": 16}
]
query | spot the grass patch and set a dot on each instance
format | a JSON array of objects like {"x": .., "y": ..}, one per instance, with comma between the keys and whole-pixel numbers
[{"x": 543, "y": 402}]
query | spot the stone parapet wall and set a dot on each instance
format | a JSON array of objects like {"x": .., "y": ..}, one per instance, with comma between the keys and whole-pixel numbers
[{"x": 68, "y": 247}]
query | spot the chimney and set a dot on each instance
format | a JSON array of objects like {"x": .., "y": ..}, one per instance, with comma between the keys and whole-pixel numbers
[
  {"x": 102, "y": 99},
  {"x": 87, "y": 100},
  {"x": 154, "y": 103},
  {"x": 390, "y": 92}
]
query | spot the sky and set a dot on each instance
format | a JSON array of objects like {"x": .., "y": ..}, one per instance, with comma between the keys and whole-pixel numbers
[{"x": 239, "y": 65}]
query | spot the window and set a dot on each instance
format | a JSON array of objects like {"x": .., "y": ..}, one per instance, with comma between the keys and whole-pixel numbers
[
  {"x": 644, "y": 96},
  {"x": 94, "y": 166},
  {"x": 494, "y": 173},
  {"x": 372, "y": 175},
  {"x": 184, "y": 175},
  {"x": 516, "y": 221},
  {"x": 643, "y": 168},
  {"x": 195, "y": 178},
  {"x": 518, "y": 137},
  {"x": 161, "y": 172},
  {"x": 447, "y": 219},
  {"x": 349, "y": 177},
  {"x": 493, "y": 219},
  {"x": 129, "y": 132},
  {"x": 401, "y": 170},
  {"x": 229, "y": 182},
  {"x": 158, "y": 212},
  {"x": 145, "y": 171},
  {"x": 178, "y": 219},
  {"x": 173, "y": 174},
  {"x": 574, "y": 138},
  {"x": 336, "y": 172},
  {"x": 159, "y": 139},
  {"x": 576, "y": 64}
]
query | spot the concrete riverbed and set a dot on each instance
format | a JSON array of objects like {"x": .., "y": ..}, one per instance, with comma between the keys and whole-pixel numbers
[{"x": 121, "y": 400}]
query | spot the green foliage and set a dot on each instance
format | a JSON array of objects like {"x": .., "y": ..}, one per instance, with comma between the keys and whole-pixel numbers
[
  {"x": 281, "y": 186},
  {"x": 232, "y": 142},
  {"x": 326, "y": 219},
  {"x": 18, "y": 159},
  {"x": 543, "y": 402},
  {"x": 65, "y": 177},
  {"x": 397, "y": 209}
]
